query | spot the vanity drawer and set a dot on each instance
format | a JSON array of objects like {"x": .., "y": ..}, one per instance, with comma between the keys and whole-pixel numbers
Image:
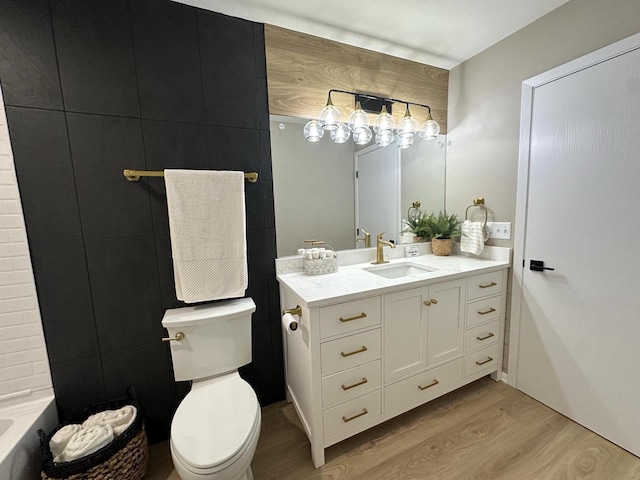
[
  {"x": 484, "y": 311},
  {"x": 348, "y": 352},
  {"x": 482, "y": 336},
  {"x": 484, "y": 285},
  {"x": 485, "y": 359},
  {"x": 343, "y": 386},
  {"x": 421, "y": 388},
  {"x": 349, "y": 415},
  {"x": 349, "y": 316}
]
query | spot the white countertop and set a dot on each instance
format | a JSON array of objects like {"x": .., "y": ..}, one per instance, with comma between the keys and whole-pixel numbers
[{"x": 352, "y": 281}]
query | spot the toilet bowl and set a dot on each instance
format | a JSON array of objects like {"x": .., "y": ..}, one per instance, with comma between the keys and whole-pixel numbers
[{"x": 215, "y": 430}]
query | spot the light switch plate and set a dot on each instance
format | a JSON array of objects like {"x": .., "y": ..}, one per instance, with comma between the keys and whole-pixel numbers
[{"x": 499, "y": 230}]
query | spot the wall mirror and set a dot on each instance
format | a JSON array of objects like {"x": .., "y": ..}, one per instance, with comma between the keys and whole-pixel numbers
[{"x": 317, "y": 195}]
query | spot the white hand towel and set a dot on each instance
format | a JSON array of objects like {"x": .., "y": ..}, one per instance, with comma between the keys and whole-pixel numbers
[
  {"x": 208, "y": 238},
  {"x": 119, "y": 419},
  {"x": 62, "y": 437},
  {"x": 473, "y": 237},
  {"x": 86, "y": 441}
]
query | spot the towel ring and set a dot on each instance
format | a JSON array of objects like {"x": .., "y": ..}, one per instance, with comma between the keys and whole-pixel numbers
[{"x": 478, "y": 202}]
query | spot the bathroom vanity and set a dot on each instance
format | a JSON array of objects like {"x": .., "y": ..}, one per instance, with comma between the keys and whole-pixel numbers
[{"x": 376, "y": 341}]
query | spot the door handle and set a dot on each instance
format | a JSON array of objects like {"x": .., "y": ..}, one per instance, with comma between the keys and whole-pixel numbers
[{"x": 538, "y": 266}]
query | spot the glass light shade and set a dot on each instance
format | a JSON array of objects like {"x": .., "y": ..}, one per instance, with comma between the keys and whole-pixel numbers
[
  {"x": 330, "y": 117},
  {"x": 406, "y": 141},
  {"x": 359, "y": 119},
  {"x": 313, "y": 131},
  {"x": 384, "y": 137},
  {"x": 363, "y": 137},
  {"x": 430, "y": 129},
  {"x": 384, "y": 121},
  {"x": 408, "y": 126},
  {"x": 341, "y": 134}
]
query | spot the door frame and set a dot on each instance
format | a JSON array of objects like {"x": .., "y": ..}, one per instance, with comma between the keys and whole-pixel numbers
[{"x": 528, "y": 95}]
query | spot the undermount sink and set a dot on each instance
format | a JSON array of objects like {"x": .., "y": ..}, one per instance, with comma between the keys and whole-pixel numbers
[{"x": 398, "y": 270}]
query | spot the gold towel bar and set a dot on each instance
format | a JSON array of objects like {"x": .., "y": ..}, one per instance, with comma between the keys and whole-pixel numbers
[{"x": 134, "y": 175}]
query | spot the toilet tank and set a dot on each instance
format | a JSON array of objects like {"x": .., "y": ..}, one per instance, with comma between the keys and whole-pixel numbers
[{"x": 217, "y": 338}]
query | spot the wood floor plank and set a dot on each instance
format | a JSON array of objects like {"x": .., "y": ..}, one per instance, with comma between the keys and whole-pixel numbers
[{"x": 484, "y": 431}]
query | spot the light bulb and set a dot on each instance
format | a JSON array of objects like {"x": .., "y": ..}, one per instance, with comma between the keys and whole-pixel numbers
[
  {"x": 384, "y": 137},
  {"x": 313, "y": 131},
  {"x": 430, "y": 129},
  {"x": 363, "y": 137},
  {"x": 359, "y": 119},
  {"x": 330, "y": 116},
  {"x": 341, "y": 134},
  {"x": 384, "y": 121},
  {"x": 408, "y": 126},
  {"x": 406, "y": 141}
]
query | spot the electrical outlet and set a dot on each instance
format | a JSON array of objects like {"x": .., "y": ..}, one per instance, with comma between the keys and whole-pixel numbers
[{"x": 501, "y": 230}]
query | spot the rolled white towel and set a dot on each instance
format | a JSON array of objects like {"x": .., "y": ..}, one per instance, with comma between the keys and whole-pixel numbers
[
  {"x": 86, "y": 441},
  {"x": 119, "y": 419},
  {"x": 62, "y": 437}
]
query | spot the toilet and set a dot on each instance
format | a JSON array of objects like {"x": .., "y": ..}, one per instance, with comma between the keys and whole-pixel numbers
[{"x": 215, "y": 429}]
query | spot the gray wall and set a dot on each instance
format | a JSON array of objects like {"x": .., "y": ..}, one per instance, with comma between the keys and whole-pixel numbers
[
  {"x": 484, "y": 97},
  {"x": 484, "y": 100}
]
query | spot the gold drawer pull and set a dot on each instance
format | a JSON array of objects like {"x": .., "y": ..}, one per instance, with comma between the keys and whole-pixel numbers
[
  {"x": 488, "y": 335},
  {"x": 360, "y": 350},
  {"x": 362, "y": 382},
  {"x": 348, "y": 319},
  {"x": 432, "y": 384},
  {"x": 492, "y": 284},
  {"x": 491, "y": 310},
  {"x": 486, "y": 361},
  {"x": 363, "y": 412},
  {"x": 434, "y": 301},
  {"x": 427, "y": 303}
]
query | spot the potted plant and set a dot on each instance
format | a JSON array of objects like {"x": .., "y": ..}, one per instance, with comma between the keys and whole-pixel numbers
[
  {"x": 417, "y": 224},
  {"x": 441, "y": 228}
]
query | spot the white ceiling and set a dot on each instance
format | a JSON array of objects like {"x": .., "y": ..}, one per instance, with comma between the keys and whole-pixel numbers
[{"x": 442, "y": 33}]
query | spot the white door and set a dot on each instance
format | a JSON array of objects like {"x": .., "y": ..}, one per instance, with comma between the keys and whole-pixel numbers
[
  {"x": 576, "y": 329},
  {"x": 378, "y": 191}
]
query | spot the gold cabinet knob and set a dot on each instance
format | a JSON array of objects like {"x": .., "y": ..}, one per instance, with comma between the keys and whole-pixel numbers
[
  {"x": 434, "y": 301},
  {"x": 427, "y": 303}
]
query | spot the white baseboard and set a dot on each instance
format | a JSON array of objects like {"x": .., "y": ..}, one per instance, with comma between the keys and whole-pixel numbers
[{"x": 504, "y": 378}]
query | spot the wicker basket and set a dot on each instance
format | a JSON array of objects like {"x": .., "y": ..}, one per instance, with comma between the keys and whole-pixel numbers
[{"x": 124, "y": 458}]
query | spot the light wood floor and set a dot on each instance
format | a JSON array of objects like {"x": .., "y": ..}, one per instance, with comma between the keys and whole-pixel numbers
[{"x": 484, "y": 431}]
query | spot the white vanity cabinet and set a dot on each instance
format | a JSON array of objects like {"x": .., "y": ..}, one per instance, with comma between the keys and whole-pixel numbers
[
  {"x": 358, "y": 360},
  {"x": 423, "y": 328}
]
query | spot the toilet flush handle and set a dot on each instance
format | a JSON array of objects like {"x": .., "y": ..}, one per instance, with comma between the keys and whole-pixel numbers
[{"x": 179, "y": 337}]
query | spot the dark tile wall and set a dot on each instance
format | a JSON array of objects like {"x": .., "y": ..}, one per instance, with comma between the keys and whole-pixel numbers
[{"x": 92, "y": 88}]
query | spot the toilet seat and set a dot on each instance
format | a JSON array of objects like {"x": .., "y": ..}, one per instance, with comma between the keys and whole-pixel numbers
[{"x": 216, "y": 424}]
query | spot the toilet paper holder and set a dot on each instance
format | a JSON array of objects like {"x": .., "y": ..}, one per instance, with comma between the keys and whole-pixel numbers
[
  {"x": 293, "y": 326},
  {"x": 293, "y": 311}
]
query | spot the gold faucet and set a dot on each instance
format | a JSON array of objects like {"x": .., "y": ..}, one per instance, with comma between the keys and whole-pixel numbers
[
  {"x": 379, "y": 250},
  {"x": 366, "y": 239}
]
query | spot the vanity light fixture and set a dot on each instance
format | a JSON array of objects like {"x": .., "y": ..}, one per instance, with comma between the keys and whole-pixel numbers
[{"x": 358, "y": 124}]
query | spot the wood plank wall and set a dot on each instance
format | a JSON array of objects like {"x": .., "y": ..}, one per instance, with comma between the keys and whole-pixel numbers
[{"x": 301, "y": 69}]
